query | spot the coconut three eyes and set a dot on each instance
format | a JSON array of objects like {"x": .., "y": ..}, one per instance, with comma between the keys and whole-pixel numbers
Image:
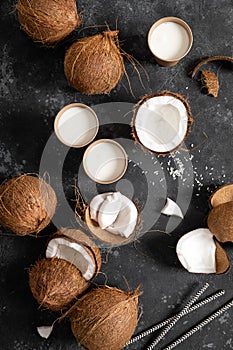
[
  {"x": 199, "y": 252},
  {"x": 27, "y": 204},
  {"x": 48, "y": 21},
  {"x": 105, "y": 318},
  {"x": 162, "y": 121},
  {"x": 72, "y": 261}
]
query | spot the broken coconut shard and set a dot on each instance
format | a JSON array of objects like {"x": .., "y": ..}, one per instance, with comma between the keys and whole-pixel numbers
[
  {"x": 220, "y": 222},
  {"x": 161, "y": 122},
  {"x": 198, "y": 252},
  {"x": 70, "y": 265},
  {"x": 113, "y": 218}
]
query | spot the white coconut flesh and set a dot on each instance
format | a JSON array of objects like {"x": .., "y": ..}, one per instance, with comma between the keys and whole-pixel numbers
[
  {"x": 74, "y": 253},
  {"x": 172, "y": 209},
  {"x": 196, "y": 251},
  {"x": 115, "y": 213},
  {"x": 161, "y": 123}
]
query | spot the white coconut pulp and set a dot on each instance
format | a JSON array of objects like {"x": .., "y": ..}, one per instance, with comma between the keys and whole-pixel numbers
[
  {"x": 196, "y": 251},
  {"x": 76, "y": 126},
  {"x": 45, "y": 331},
  {"x": 161, "y": 123},
  {"x": 171, "y": 208},
  {"x": 74, "y": 253},
  {"x": 105, "y": 161},
  {"x": 169, "y": 41},
  {"x": 115, "y": 213}
]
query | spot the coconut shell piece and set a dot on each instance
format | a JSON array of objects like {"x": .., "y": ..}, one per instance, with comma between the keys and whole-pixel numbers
[
  {"x": 209, "y": 59},
  {"x": 55, "y": 283},
  {"x": 210, "y": 82},
  {"x": 94, "y": 65},
  {"x": 85, "y": 242},
  {"x": 222, "y": 260},
  {"x": 105, "y": 318},
  {"x": 157, "y": 94},
  {"x": 27, "y": 204},
  {"x": 220, "y": 222},
  {"x": 223, "y": 195},
  {"x": 48, "y": 21}
]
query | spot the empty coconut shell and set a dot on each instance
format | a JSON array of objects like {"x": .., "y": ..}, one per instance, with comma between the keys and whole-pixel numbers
[
  {"x": 48, "y": 21},
  {"x": 27, "y": 204},
  {"x": 157, "y": 108},
  {"x": 223, "y": 195},
  {"x": 220, "y": 222},
  {"x": 94, "y": 65},
  {"x": 55, "y": 283},
  {"x": 105, "y": 318}
]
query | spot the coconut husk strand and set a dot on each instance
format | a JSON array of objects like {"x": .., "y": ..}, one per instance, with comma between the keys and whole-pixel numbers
[
  {"x": 222, "y": 260},
  {"x": 80, "y": 238},
  {"x": 55, "y": 283},
  {"x": 94, "y": 65},
  {"x": 27, "y": 204},
  {"x": 220, "y": 222},
  {"x": 158, "y": 94},
  {"x": 105, "y": 318},
  {"x": 210, "y": 82},
  {"x": 223, "y": 195},
  {"x": 48, "y": 21}
]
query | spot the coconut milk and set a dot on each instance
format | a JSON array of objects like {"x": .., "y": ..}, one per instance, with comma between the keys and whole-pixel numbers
[
  {"x": 169, "y": 41},
  {"x": 105, "y": 161},
  {"x": 76, "y": 126}
]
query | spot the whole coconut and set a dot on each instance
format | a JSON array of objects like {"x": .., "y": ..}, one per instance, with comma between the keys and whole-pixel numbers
[
  {"x": 48, "y": 21},
  {"x": 105, "y": 318},
  {"x": 55, "y": 283},
  {"x": 94, "y": 65},
  {"x": 27, "y": 204}
]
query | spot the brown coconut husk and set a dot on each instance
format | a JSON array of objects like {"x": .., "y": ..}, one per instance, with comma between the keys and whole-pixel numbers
[
  {"x": 162, "y": 93},
  {"x": 223, "y": 195},
  {"x": 209, "y": 59},
  {"x": 81, "y": 238},
  {"x": 48, "y": 21},
  {"x": 210, "y": 82},
  {"x": 222, "y": 260},
  {"x": 27, "y": 204},
  {"x": 94, "y": 65},
  {"x": 108, "y": 237},
  {"x": 220, "y": 222},
  {"x": 105, "y": 318},
  {"x": 55, "y": 283}
]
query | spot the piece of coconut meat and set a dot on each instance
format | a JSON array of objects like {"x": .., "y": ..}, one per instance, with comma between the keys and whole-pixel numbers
[
  {"x": 161, "y": 123},
  {"x": 109, "y": 210},
  {"x": 95, "y": 205},
  {"x": 74, "y": 253},
  {"x": 196, "y": 251}
]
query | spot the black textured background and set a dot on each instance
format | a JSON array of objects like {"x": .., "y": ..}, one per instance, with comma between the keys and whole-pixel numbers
[{"x": 33, "y": 89}]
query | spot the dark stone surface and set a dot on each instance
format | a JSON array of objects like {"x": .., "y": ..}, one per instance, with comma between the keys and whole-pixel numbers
[{"x": 33, "y": 89}]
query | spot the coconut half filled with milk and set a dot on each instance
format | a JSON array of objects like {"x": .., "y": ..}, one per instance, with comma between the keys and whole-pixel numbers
[
  {"x": 113, "y": 218},
  {"x": 162, "y": 121}
]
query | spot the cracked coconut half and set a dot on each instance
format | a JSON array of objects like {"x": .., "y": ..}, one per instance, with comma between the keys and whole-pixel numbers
[
  {"x": 113, "y": 218},
  {"x": 72, "y": 261},
  {"x": 199, "y": 252},
  {"x": 162, "y": 121}
]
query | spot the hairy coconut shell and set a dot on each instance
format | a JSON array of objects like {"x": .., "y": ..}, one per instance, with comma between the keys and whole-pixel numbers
[
  {"x": 81, "y": 238},
  {"x": 48, "y": 21},
  {"x": 27, "y": 204},
  {"x": 210, "y": 82},
  {"x": 220, "y": 222},
  {"x": 222, "y": 260},
  {"x": 162, "y": 93},
  {"x": 223, "y": 195},
  {"x": 55, "y": 283},
  {"x": 94, "y": 65},
  {"x": 105, "y": 318}
]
